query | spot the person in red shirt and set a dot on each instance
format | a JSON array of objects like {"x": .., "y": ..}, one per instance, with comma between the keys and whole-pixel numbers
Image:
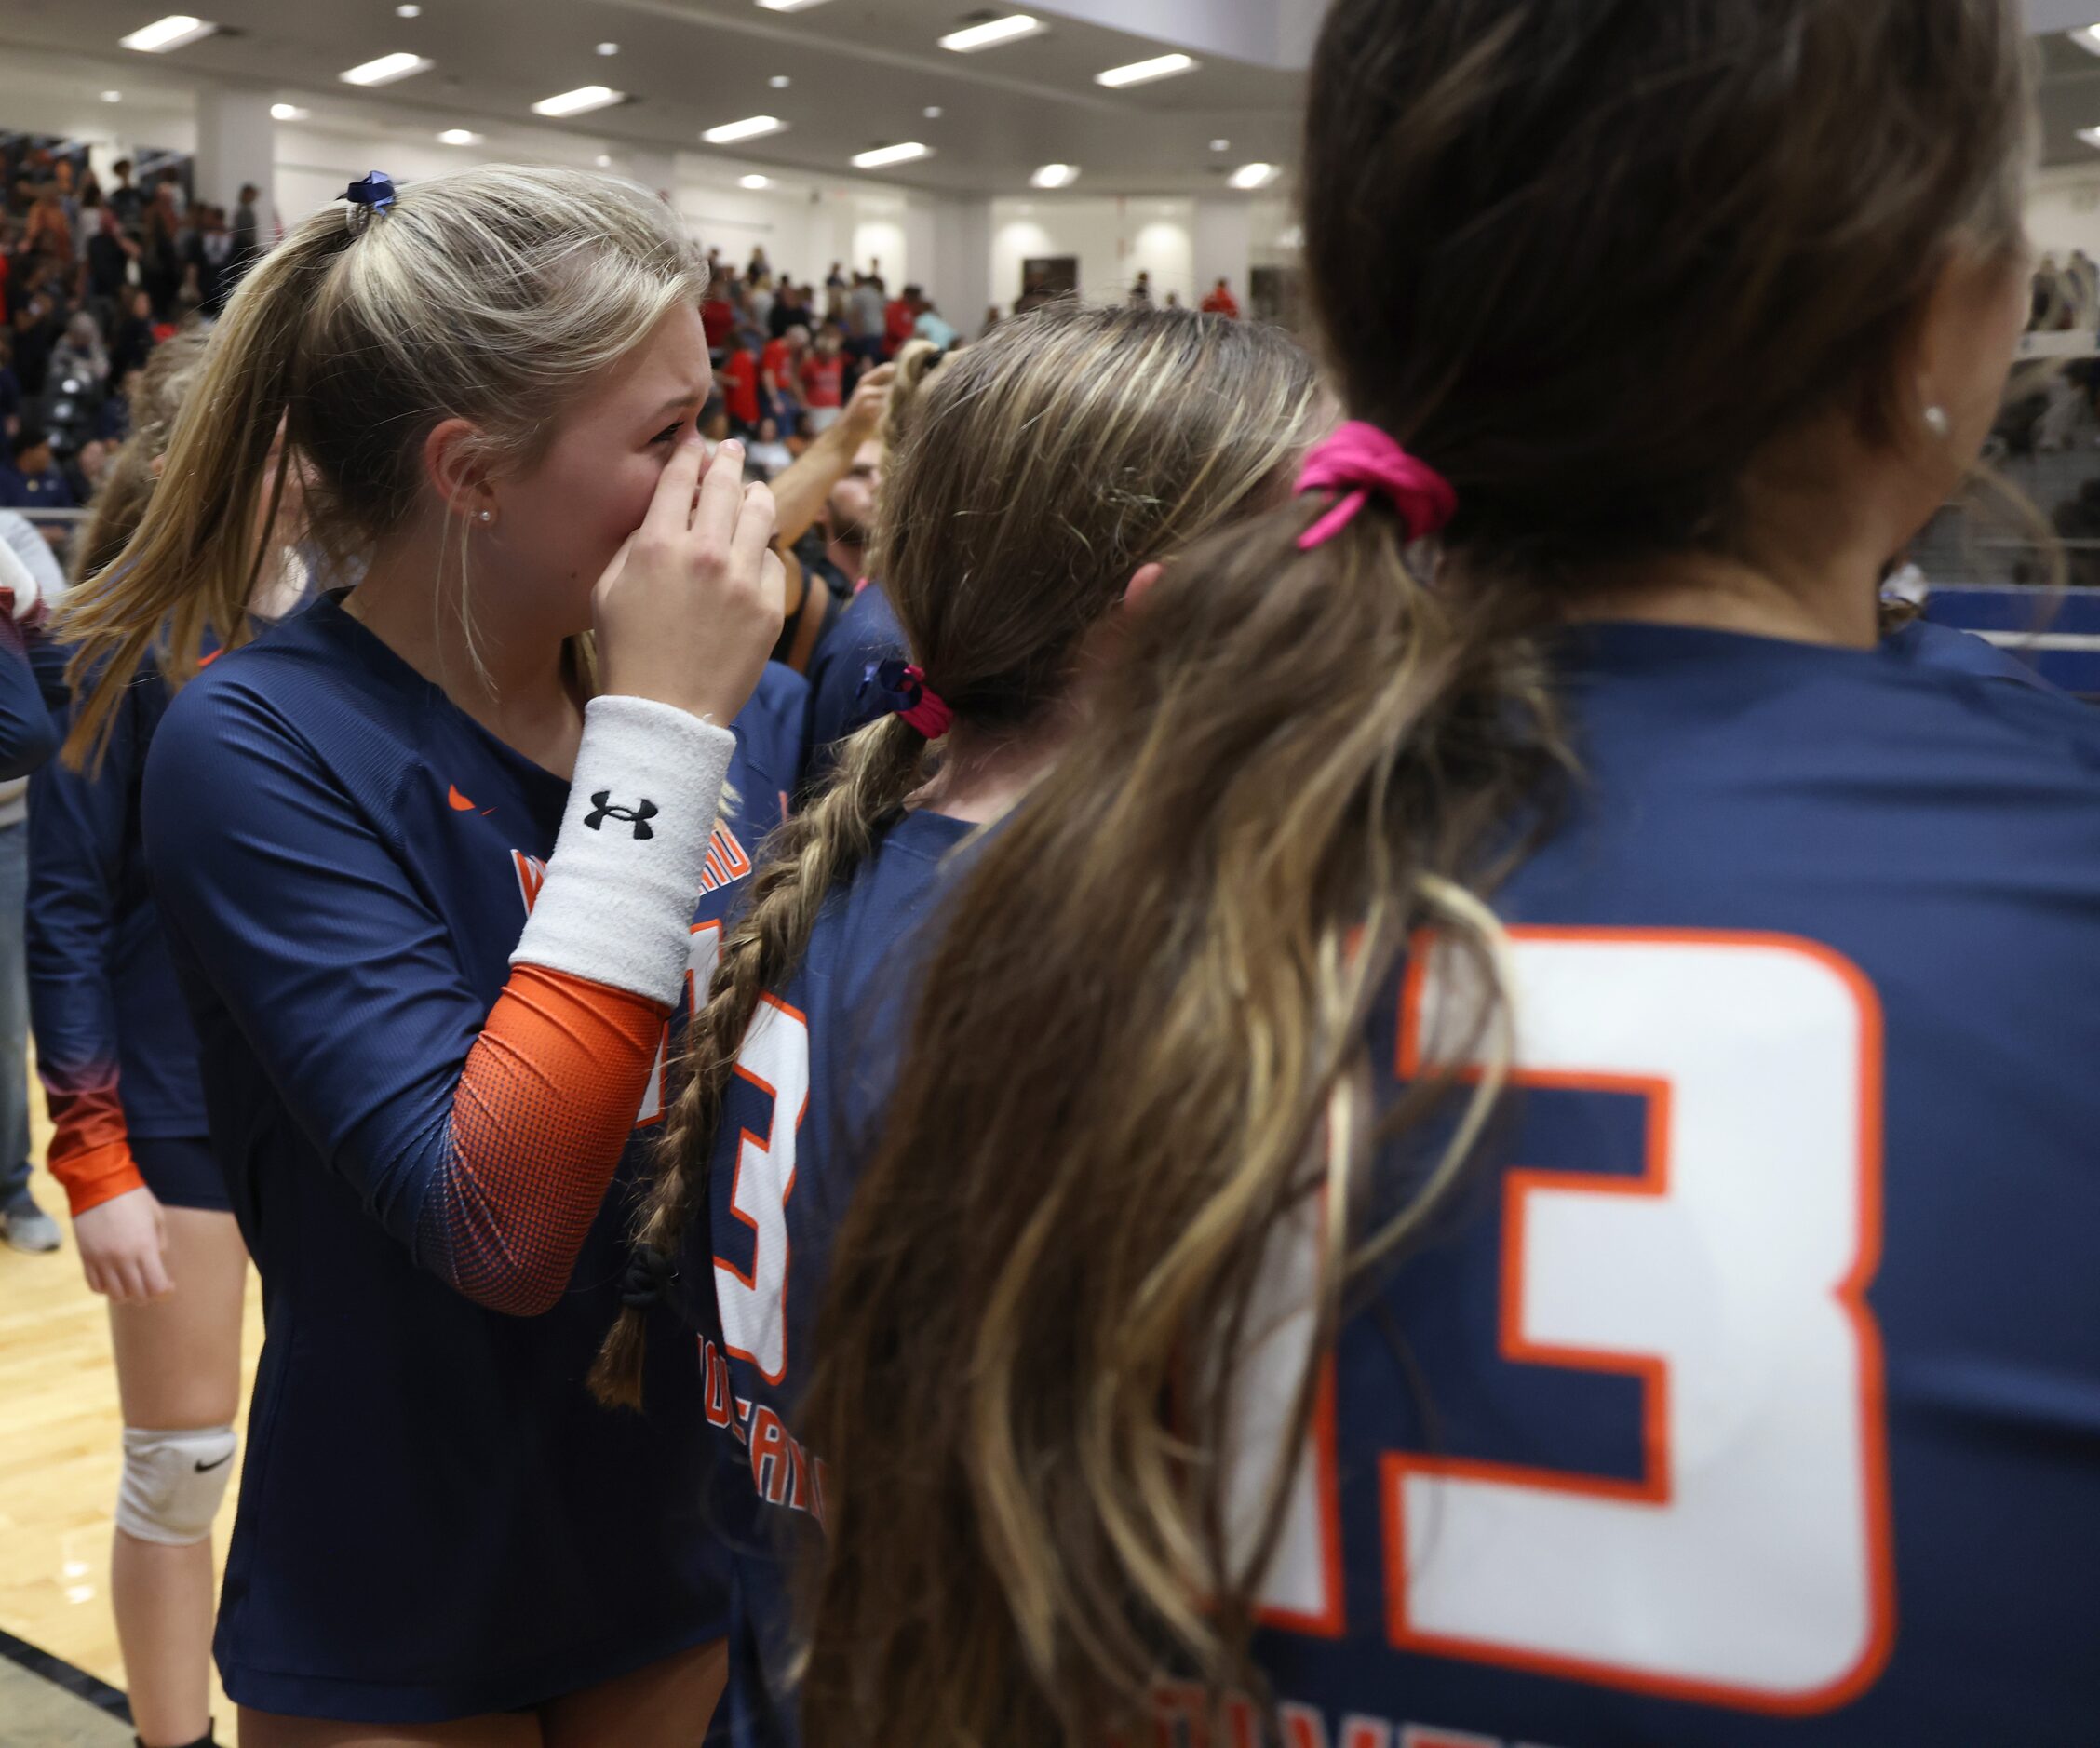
[
  {"x": 718, "y": 316},
  {"x": 780, "y": 375},
  {"x": 1220, "y": 302},
  {"x": 900, "y": 318},
  {"x": 739, "y": 380},
  {"x": 824, "y": 381}
]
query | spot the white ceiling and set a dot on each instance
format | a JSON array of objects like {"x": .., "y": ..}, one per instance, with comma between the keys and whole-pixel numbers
[{"x": 863, "y": 74}]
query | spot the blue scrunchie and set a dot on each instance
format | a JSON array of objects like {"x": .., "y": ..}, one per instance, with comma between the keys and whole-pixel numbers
[
  {"x": 375, "y": 190},
  {"x": 890, "y": 688}
]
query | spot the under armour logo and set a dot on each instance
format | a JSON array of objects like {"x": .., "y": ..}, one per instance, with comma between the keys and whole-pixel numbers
[{"x": 638, "y": 817}]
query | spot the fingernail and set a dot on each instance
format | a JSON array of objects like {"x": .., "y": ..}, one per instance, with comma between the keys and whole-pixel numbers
[{"x": 731, "y": 443}]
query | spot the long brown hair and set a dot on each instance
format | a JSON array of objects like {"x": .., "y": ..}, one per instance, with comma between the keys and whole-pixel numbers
[
  {"x": 545, "y": 278},
  {"x": 1593, "y": 262},
  {"x": 119, "y": 502},
  {"x": 1039, "y": 469}
]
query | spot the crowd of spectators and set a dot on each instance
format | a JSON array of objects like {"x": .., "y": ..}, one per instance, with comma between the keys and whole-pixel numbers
[{"x": 91, "y": 279}]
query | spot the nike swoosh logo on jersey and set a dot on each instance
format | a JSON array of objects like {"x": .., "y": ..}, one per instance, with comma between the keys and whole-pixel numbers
[{"x": 460, "y": 804}]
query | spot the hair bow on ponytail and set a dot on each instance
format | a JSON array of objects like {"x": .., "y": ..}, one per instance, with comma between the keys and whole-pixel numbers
[
  {"x": 1360, "y": 460},
  {"x": 901, "y": 688},
  {"x": 369, "y": 196}
]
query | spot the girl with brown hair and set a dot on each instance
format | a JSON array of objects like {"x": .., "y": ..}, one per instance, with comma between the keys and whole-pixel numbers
[
  {"x": 1504, "y": 1151},
  {"x": 1041, "y": 478}
]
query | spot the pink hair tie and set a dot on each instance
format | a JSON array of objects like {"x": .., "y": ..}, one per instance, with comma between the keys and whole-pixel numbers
[
  {"x": 1360, "y": 459},
  {"x": 927, "y": 714}
]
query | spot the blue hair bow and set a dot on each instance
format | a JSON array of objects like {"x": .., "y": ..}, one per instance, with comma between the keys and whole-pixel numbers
[
  {"x": 889, "y": 687},
  {"x": 375, "y": 190}
]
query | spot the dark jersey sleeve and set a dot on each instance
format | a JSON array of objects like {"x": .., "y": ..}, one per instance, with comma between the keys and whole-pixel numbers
[
  {"x": 27, "y": 737},
  {"x": 482, "y": 1139}
]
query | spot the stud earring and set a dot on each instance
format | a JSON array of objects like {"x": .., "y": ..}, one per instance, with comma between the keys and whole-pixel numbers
[
  {"x": 1937, "y": 422},
  {"x": 489, "y": 515}
]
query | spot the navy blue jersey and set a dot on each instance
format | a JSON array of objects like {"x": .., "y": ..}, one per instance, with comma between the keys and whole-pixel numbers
[
  {"x": 27, "y": 738},
  {"x": 1750, "y": 1395},
  {"x": 865, "y": 634},
  {"x": 436, "y": 1520},
  {"x": 814, "y": 1071},
  {"x": 114, "y": 1046}
]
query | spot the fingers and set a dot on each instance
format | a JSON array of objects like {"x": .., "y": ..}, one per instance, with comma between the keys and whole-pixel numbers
[
  {"x": 772, "y": 585},
  {"x": 153, "y": 1277},
  {"x": 722, "y": 500},
  {"x": 755, "y": 522},
  {"x": 670, "y": 512},
  {"x": 881, "y": 377}
]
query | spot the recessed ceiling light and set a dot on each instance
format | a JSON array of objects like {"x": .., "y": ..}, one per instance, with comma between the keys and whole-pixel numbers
[
  {"x": 750, "y": 128},
  {"x": 2090, "y": 136},
  {"x": 2088, "y": 39},
  {"x": 1145, "y": 72},
  {"x": 891, "y": 155},
  {"x": 1220, "y": 145},
  {"x": 605, "y": 160},
  {"x": 789, "y": 5},
  {"x": 408, "y": 12},
  {"x": 933, "y": 112},
  {"x": 177, "y": 30},
  {"x": 754, "y": 180},
  {"x": 609, "y": 48},
  {"x": 112, "y": 97},
  {"x": 1055, "y": 176},
  {"x": 991, "y": 32},
  {"x": 287, "y": 111},
  {"x": 1254, "y": 176},
  {"x": 387, "y": 69},
  {"x": 583, "y": 99},
  {"x": 459, "y": 136}
]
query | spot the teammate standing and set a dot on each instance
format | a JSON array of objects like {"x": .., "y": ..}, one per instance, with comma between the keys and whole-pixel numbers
[
  {"x": 1194, "y": 1342},
  {"x": 427, "y": 857},
  {"x": 1015, "y": 464}
]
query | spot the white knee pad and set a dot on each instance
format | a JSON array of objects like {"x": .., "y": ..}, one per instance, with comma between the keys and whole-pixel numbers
[{"x": 173, "y": 1482}]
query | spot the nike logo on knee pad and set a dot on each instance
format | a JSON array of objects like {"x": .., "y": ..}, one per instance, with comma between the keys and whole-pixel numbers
[{"x": 207, "y": 1468}]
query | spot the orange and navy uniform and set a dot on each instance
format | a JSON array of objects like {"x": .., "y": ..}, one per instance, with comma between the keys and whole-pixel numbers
[
  {"x": 1747, "y": 1394},
  {"x": 419, "y": 1139}
]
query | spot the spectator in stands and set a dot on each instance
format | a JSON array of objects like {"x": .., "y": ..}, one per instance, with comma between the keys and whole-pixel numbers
[
  {"x": 110, "y": 254},
  {"x": 718, "y": 316},
  {"x": 791, "y": 310},
  {"x": 132, "y": 341},
  {"x": 39, "y": 320},
  {"x": 758, "y": 303},
  {"x": 739, "y": 380},
  {"x": 780, "y": 376},
  {"x": 1221, "y": 301},
  {"x": 824, "y": 381},
  {"x": 210, "y": 261},
  {"x": 934, "y": 328},
  {"x": 34, "y": 482},
  {"x": 899, "y": 317},
  {"x": 247, "y": 232},
  {"x": 160, "y": 260},
  {"x": 759, "y": 268},
  {"x": 49, "y": 231},
  {"x": 766, "y": 455},
  {"x": 1142, "y": 290},
  {"x": 125, "y": 201},
  {"x": 867, "y": 308},
  {"x": 836, "y": 279},
  {"x": 80, "y": 354},
  {"x": 10, "y": 389}
]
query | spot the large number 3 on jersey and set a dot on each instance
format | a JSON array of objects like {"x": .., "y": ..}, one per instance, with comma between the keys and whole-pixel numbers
[
  {"x": 775, "y": 1060},
  {"x": 1750, "y": 1567}
]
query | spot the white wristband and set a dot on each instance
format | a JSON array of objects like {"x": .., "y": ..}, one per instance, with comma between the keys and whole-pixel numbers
[{"x": 617, "y": 904}]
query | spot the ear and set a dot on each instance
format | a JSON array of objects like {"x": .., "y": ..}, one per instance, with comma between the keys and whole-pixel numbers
[
  {"x": 455, "y": 471},
  {"x": 1141, "y": 583}
]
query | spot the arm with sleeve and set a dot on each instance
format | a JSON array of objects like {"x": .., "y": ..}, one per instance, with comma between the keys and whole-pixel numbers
[
  {"x": 76, "y": 824},
  {"x": 482, "y": 1139}
]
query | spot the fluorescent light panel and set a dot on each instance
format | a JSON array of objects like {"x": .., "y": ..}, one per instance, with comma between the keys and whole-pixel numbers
[
  {"x": 1254, "y": 176},
  {"x": 176, "y": 31},
  {"x": 580, "y": 101},
  {"x": 991, "y": 32},
  {"x": 2088, "y": 39},
  {"x": 754, "y": 180},
  {"x": 386, "y": 70},
  {"x": 789, "y": 5},
  {"x": 1055, "y": 176},
  {"x": 287, "y": 111},
  {"x": 2090, "y": 136},
  {"x": 891, "y": 155},
  {"x": 750, "y": 128},
  {"x": 459, "y": 136},
  {"x": 1145, "y": 72}
]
